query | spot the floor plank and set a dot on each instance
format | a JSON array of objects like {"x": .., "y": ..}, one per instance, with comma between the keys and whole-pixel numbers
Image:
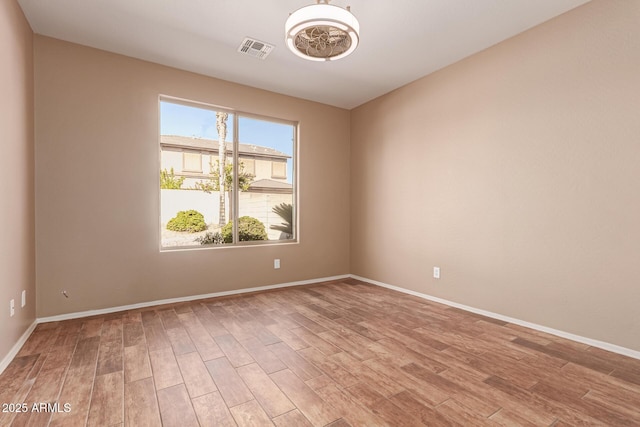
[
  {"x": 298, "y": 364},
  {"x": 136, "y": 363},
  {"x": 195, "y": 374},
  {"x": 268, "y": 361},
  {"x": 422, "y": 411},
  {"x": 334, "y": 370},
  {"x": 250, "y": 414},
  {"x": 77, "y": 388},
  {"x": 166, "y": 372},
  {"x": 110, "y": 358},
  {"x": 334, "y": 354},
  {"x": 107, "y": 400},
  {"x": 236, "y": 354},
  {"x": 175, "y": 407},
  {"x": 47, "y": 386},
  {"x": 180, "y": 341},
  {"x": 292, "y": 419},
  {"x": 204, "y": 343},
  {"x": 232, "y": 388},
  {"x": 348, "y": 407},
  {"x": 212, "y": 411},
  {"x": 265, "y": 391},
  {"x": 140, "y": 404},
  {"x": 314, "y": 408}
]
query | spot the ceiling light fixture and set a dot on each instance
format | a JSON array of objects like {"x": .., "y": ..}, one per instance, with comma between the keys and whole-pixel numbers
[{"x": 322, "y": 32}]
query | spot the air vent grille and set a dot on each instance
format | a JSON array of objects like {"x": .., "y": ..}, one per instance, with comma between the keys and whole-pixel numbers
[{"x": 255, "y": 48}]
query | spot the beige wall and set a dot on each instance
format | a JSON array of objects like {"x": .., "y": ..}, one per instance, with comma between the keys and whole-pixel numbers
[
  {"x": 17, "y": 241},
  {"x": 98, "y": 223},
  {"x": 526, "y": 162},
  {"x": 524, "y": 159}
]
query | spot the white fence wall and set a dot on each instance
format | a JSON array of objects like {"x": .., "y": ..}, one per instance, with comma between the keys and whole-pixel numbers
[
  {"x": 260, "y": 206},
  {"x": 257, "y": 205}
]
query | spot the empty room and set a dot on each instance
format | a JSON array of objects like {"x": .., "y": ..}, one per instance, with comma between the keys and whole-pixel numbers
[{"x": 320, "y": 213}]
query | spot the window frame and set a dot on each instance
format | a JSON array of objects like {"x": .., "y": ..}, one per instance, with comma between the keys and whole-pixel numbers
[{"x": 237, "y": 114}]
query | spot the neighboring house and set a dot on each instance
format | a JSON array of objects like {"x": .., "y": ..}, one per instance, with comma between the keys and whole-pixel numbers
[{"x": 192, "y": 158}]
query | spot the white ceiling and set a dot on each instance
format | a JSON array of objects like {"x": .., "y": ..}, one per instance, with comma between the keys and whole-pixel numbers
[{"x": 401, "y": 40}]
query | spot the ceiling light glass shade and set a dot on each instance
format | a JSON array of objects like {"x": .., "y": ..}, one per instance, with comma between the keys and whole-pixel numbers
[{"x": 322, "y": 32}]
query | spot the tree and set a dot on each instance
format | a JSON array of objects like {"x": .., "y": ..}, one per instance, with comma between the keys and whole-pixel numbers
[
  {"x": 168, "y": 180},
  {"x": 221, "y": 125},
  {"x": 213, "y": 184}
]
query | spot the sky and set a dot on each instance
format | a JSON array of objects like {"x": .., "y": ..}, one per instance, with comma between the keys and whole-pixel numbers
[
  {"x": 177, "y": 119},
  {"x": 182, "y": 120}
]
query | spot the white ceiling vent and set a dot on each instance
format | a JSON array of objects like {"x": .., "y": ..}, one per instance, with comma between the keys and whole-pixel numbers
[{"x": 255, "y": 48}]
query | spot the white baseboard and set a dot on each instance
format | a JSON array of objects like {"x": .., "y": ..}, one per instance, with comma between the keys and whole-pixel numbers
[
  {"x": 593, "y": 343},
  {"x": 17, "y": 346},
  {"x": 88, "y": 313}
]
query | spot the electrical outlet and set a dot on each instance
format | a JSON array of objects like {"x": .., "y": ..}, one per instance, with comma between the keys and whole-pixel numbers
[
  {"x": 276, "y": 264},
  {"x": 436, "y": 272},
  {"x": 24, "y": 298},
  {"x": 12, "y": 307}
]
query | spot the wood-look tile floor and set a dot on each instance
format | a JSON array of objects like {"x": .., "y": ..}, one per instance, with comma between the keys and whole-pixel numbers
[{"x": 334, "y": 354}]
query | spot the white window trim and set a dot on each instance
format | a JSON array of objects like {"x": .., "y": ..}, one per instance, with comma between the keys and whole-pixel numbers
[{"x": 295, "y": 176}]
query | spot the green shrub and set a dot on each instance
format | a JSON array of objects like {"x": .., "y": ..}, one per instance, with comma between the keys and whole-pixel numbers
[
  {"x": 248, "y": 229},
  {"x": 169, "y": 181},
  {"x": 190, "y": 221},
  {"x": 210, "y": 239}
]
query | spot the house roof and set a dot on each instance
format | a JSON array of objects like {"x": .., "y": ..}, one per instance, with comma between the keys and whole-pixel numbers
[
  {"x": 269, "y": 183},
  {"x": 210, "y": 145},
  {"x": 270, "y": 186}
]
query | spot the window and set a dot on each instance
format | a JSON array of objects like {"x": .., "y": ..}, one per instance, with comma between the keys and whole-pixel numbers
[
  {"x": 278, "y": 170},
  {"x": 192, "y": 162},
  {"x": 249, "y": 166},
  {"x": 252, "y": 204}
]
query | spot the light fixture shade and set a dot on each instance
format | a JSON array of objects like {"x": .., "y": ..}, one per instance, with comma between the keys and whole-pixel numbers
[{"x": 322, "y": 32}]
